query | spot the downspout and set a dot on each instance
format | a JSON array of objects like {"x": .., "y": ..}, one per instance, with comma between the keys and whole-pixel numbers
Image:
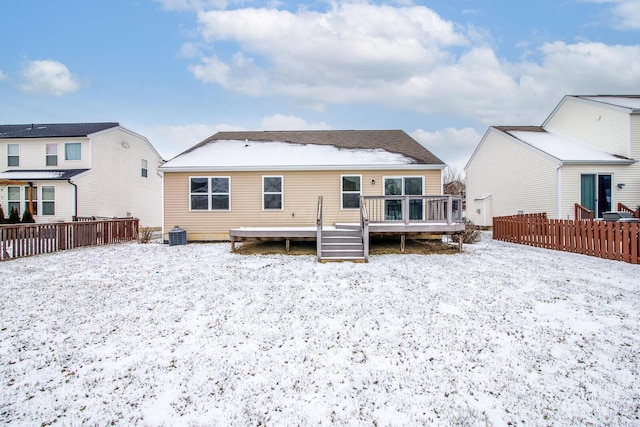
[
  {"x": 75, "y": 198},
  {"x": 559, "y": 192}
]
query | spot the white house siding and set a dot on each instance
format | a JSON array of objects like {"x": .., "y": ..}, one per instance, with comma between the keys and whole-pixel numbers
[
  {"x": 301, "y": 191},
  {"x": 571, "y": 185},
  {"x": 33, "y": 154},
  {"x": 115, "y": 186},
  {"x": 518, "y": 178},
  {"x": 607, "y": 128}
]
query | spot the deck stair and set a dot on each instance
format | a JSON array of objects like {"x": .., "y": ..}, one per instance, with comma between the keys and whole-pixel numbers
[{"x": 344, "y": 242}]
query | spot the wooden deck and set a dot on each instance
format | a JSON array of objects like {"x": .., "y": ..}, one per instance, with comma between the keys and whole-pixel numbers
[{"x": 379, "y": 215}]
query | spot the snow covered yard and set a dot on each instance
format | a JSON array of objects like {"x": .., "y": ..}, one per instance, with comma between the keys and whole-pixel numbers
[{"x": 152, "y": 335}]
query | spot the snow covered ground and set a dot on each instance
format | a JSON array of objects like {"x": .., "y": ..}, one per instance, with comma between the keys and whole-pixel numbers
[{"x": 154, "y": 335}]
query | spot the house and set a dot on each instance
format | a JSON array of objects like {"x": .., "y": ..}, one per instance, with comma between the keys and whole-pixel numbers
[
  {"x": 235, "y": 184},
  {"x": 62, "y": 171},
  {"x": 586, "y": 152}
]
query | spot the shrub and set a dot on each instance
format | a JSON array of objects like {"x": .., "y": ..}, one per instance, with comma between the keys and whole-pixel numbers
[
  {"x": 471, "y": 234},
  {"x": 146, "y": 233},
  {"x": 14, "y": 216},
  {"x": 27, "y": 217}
]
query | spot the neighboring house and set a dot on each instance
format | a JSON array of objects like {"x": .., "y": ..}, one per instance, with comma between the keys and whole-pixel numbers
[
  {"x": 79, "y": 170},
  {"x": 585, "y": 152},
  {"x": 275, "y": 178}
]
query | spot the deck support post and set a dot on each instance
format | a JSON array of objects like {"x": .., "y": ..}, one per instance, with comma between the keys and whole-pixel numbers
[
  {"x": 233, "y": 245},
  {"x": 287, "y": 244},
  {"x": 460, "y": 243},
  {"x": 402, "y": 242}
]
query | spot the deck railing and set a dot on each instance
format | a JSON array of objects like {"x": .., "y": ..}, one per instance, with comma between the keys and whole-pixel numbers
[
  {"x": 364, "y": 225},
  {"x": 582, "y": 213},
  {"x": 319, "y": 228},
  {"x": 24, "y": 240},
  {"x": 623, "y": 208},
  {"x": 414, "y": 209}
]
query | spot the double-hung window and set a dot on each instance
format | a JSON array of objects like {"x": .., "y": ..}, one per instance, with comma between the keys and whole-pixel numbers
[
  {"x": 48, "y": 200},
  {"x": 210, "y": 193},
  {"x": 350, "y": 187},
  {"x": 13, "y": 199},
  {"x": 52, "y": 155},
  {"x": 144, "y": 168},
  {"x": 272, "y": 193},
  {"x": 73, "y": 151},
  {"x": 13, "y": 154}
]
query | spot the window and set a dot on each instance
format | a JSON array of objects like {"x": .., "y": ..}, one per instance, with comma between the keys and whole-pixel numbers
[
  {"x": 403, "y": 186},
  {"x": 13, "y": 154},
  {"x": 34, "y": 199},
  {"x": 13, "y": 199},
  {"x": 272, "y": 192},
  {"x": 48, "y": 200},
  {"x": 144, "y": 168},
  {"x": 52, "y": 155},
  {"x": 351, "y": 191},
  {"x": 210, "y": 193},
  {"x": 72, "y": 151}
]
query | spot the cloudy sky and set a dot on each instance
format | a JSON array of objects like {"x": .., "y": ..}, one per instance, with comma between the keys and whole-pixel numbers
[{"x": 177, "y": 71}]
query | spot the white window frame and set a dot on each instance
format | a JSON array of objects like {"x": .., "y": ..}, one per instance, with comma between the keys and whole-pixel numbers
[
  {"x": 10, "y": 155},
  {"x": 48, "y": 155},
  {"x": 17, "y": 201},
  {"x": 47, "y": 201},
  {"x": 210, "y": 193},
  {"x": 343, "y": 192},
  {"x": 144, "y": 168},
  {"x": 65, "y": 151},
  {"x": 281, "y": 193},
  {"x": 26, "y": 199}
]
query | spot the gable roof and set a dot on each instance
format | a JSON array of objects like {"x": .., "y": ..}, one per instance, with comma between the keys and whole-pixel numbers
[
  {"x": 564, "y": 149},
  {"x": 630, "y": 102},
  {"x": 53, "y": 130},
  {"x": 312, "y": 149}
]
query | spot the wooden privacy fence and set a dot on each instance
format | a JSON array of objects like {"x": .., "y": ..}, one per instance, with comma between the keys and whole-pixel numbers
[
  {"x": 22, "y": 240},
  {"x": 605, "y": 239}
]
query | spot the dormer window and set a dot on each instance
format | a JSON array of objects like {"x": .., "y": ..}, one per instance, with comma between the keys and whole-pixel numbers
[
  {"x": 52, "y": 155},
  {"x": 13, "y": 154}
]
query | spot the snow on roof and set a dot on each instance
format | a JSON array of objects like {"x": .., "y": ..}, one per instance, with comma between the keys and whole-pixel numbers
[
  {"x": 566, "y": 149},
  {"x": 31, "y": 175},
  {"x": 621, "y": 101},
  {"x": 247, "y": 154}
]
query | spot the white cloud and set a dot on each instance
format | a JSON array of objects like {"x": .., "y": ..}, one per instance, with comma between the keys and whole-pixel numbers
[
  {"x": 453, "y": 146},
  {"x": 173, "y": 140},
  {"x": 48, "y": 78},
  {"x": 402, "y": 57},
  {"x": 625, "y": 13},
  {"x": 192, "y": 4},
  {"x": 2, "y": 75},
  {"x": 283, "y": 122}
]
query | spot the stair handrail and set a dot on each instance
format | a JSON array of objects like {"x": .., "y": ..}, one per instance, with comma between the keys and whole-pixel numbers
[
  {"x": 623, "y": 208},
  {"x": 319, "y": 228},
  {"x": 582, "y": 212},
  {"x": 364, "y": 226}
]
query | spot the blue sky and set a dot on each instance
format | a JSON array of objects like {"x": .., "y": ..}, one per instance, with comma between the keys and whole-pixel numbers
[{"x": 177, "y": 71}]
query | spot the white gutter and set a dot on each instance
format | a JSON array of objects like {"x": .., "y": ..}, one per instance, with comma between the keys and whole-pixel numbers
[{"x": 297, "y": 168}]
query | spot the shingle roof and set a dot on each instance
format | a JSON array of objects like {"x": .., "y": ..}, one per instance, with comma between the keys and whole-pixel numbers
[
  {"x": 53, "y": 130},
  {"x": 394, "y": 141}
]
